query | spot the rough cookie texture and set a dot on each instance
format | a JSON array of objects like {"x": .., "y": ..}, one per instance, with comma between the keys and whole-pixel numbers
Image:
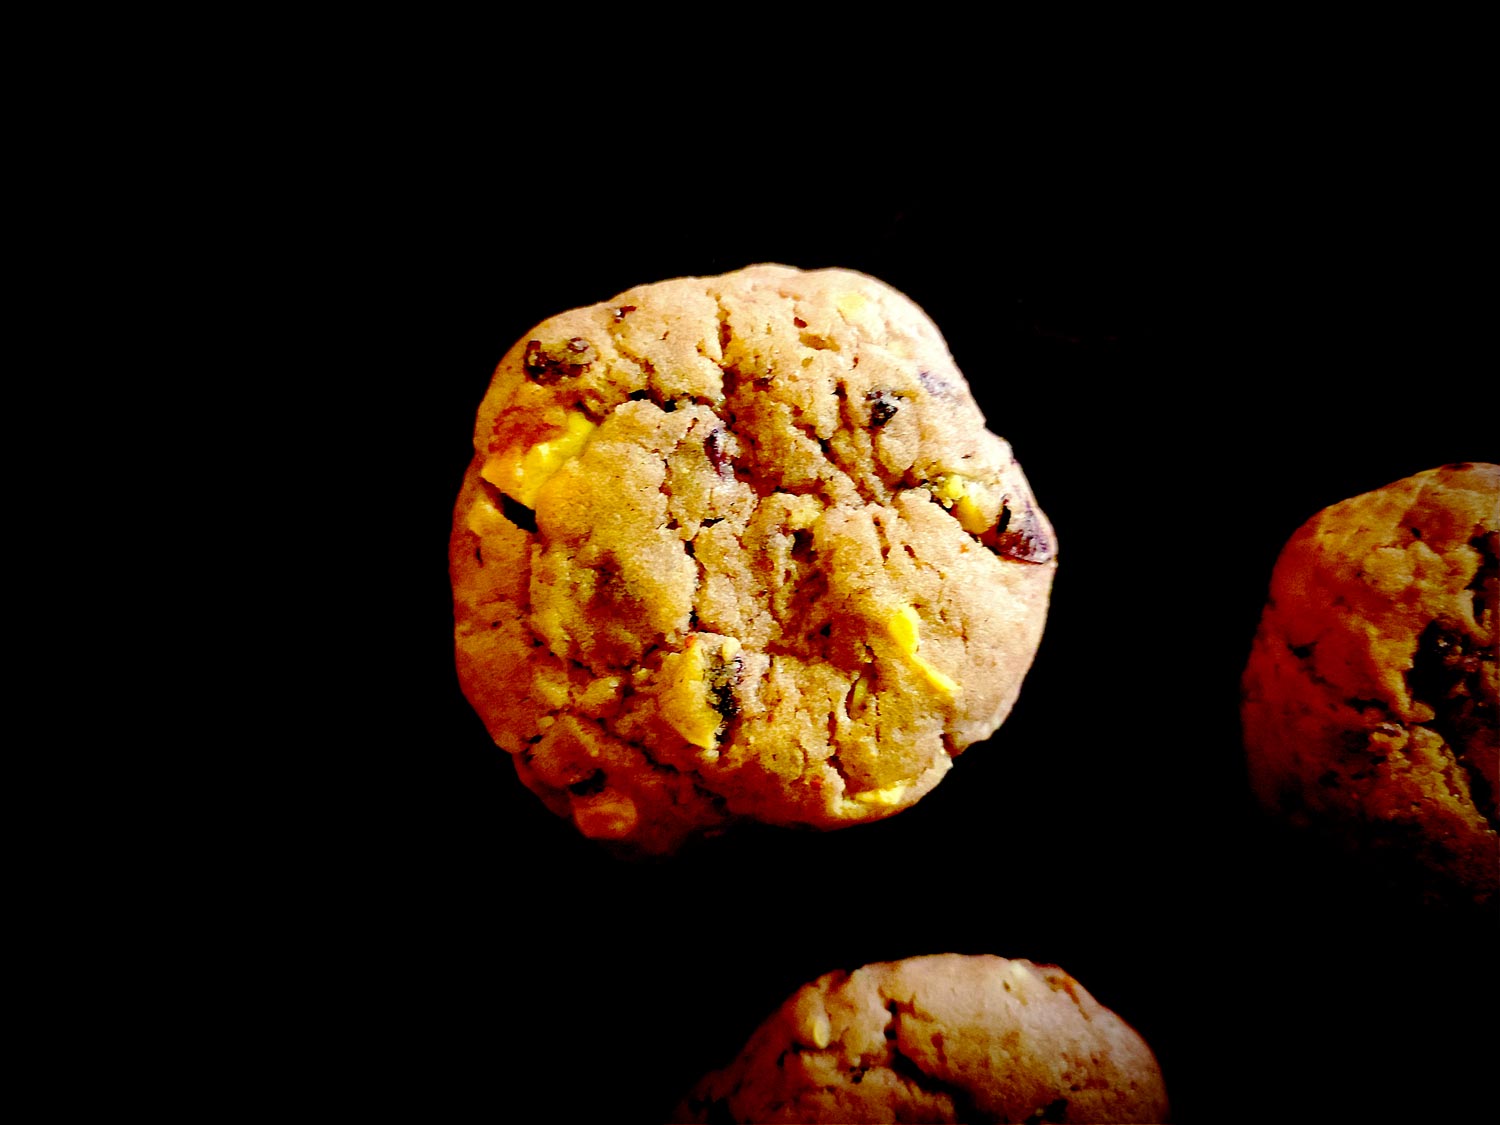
[
  {"x": 741, "y": 547},
  {"x": 1369, "y": 700},
  {"x": 942, "y": 1038}
]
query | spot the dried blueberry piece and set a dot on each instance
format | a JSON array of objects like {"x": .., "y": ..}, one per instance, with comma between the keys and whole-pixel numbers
[
  {"x": 721, "y": 683},
  {"x": 570, "y": 359},
  {"x": 1020, "y": 535},
  {"x": 802, "y": 545},
  {"x": 883, "y": 407},
  {"x": 935, "y": 384},
  {"x": 621, "y": 312},
  {"x": 716, "y": 445},
  {"x": 535, "y": 362}
]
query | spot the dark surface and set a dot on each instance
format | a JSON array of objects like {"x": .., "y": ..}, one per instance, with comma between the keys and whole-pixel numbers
[{"x": 1184, "y": 385}]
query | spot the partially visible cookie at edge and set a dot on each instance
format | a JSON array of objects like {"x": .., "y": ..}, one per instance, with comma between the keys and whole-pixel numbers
[
  {"x": 741, "y": 548},
  {"x": 1369, "y": 698},
  {"x": 941, "y": 1038}
]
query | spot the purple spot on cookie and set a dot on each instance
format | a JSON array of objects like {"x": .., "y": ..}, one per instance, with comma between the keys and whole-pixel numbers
[
  {"x": 1020, "y": 535},
  {"x": 883, "y": 407},
  {"x": 935, "y": 384}
]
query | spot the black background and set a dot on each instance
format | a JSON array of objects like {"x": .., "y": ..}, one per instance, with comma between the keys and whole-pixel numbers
[{"x": 1188, "y": 365}]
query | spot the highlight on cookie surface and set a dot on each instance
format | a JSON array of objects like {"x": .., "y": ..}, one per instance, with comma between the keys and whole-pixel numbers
[
  {"x": 947, "y": 1037},
  {"x": 741, "y": 547},
  {"x": 1369, "y": 700}
]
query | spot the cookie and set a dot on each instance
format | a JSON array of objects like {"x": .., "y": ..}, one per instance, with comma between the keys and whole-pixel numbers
[
  {"x": 1369, "y": 699},
  {"x": 741, "y": 548},
  {"x": 942, "y": 1038}
]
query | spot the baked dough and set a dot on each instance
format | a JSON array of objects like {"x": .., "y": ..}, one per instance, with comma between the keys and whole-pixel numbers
[
  {"x": 976, "y": 1039},
  {"x": 1369, "y": 699},
  {"x": 741, "y": 547}
]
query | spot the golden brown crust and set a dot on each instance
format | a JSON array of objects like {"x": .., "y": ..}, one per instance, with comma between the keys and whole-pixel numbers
[
  {"x": 941, "y": 1038},
  {"x": 741, "y": 547},
  {"x": 1369, "y": 699}
]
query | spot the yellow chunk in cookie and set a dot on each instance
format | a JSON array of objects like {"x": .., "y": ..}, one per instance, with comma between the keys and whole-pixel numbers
[
  {"x": 850, "y": 303},
  {"x": 802, "y": 512},
  {"x": 970, "y": 516},
  {"x": 971, "y": 501},
  {"x": 521, "y": 472},
  {"x": 686, "y": 700},
  {"x": 822, "y": 1031},
  {"x": 905, "y": 628},
  {"x": 949, "y": 487},
  {"x": 860, "y": 693},
  {"x": 600, "y": 694},
  {"x": 890, "y": 795}
]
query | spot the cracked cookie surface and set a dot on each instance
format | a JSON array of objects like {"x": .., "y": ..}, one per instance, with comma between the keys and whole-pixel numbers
[
  {"x": 741, "y": 547},
  {"x": 1369, "y": 698},
  {"x": 947, "y": 1037}
]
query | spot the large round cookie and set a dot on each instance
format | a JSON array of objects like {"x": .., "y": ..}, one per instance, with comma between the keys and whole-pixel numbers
[
  {"x": 741, "y": 547},
  {"x": 1369, "y": 700},
  {"x": 943, "y": 1038}
]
